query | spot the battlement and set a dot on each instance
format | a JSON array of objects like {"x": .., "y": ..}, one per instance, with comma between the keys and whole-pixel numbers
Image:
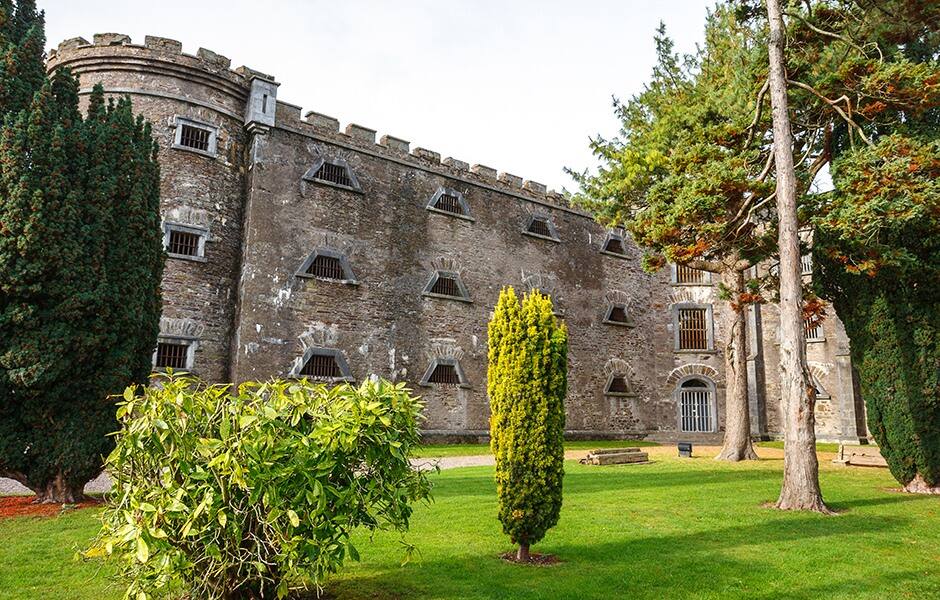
[
  {"x": 106, "y": 45},
  {"x": 165, "y": 56},
  {"x": 291, "y": 117}
]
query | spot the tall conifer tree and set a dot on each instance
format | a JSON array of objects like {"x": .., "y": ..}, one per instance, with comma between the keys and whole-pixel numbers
[
  {"x": 527, "y": 381},
  {"x": 81, "y": 261}
]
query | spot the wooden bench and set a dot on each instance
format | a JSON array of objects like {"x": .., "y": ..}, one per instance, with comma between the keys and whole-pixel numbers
[
  {"x": 615, "y": 456},
  {"x": 860, "y": 456}
]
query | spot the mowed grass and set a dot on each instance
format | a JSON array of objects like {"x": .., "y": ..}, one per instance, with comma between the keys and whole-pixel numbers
[
  {"x": 820, "y": 446},
  {"x": 676, "y": 528},
  {"x": 448, "y": 450}
]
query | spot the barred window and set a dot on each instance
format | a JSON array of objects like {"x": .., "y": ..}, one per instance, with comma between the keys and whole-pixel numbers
[
  {"x": 328, "y": 267},
  {"x": 184, "y": 241},
  {"x": 194, "y": 137},
  {"x": 806, "y": 264},
  {"x": 337, "y": 174},
  {"x": 541, "y": 226},
  {"x": 333, "y": 172},
  {"x": 451, "y": 202},
  {"x": 688, "y": 275},
  {"x": 172, "y": 355},
  {"x": 444, "y": 372},
  {"x": 447, "y": 284},
  {"x": 322, "y": 364},
  {"x": 814, "y": 330},
  {"x": 328, "y": 264},
  {"x": 693, "y": 329}
]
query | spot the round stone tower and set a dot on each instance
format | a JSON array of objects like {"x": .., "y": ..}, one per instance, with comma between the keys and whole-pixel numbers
[{"x": 202, "y": 115}]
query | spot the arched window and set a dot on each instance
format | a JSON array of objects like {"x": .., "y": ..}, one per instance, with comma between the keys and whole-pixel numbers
[{"x": 696, "y": 405}]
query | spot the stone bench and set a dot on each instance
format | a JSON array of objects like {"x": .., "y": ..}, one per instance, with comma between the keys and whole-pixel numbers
[{"x": 860, "y": 456}]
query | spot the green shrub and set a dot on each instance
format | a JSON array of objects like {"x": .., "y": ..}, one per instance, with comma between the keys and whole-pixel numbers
[
  {"x": 527, "y": 381},
  {"x": 894, "y": 324},
  {"x": 241, "y": 494}
]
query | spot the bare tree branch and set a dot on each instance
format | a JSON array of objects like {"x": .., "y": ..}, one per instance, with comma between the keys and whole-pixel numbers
[
  {"x": 835, "y": 106},
  {"x": 757, "y": 114}
]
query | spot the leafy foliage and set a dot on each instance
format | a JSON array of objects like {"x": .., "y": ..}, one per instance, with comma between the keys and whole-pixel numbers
[
  {"x": 244, "y": 493},
  {"x": 527, "y": 383},
  {"x": 684, "y": 175},
  {"x": 81, "y": 259}
]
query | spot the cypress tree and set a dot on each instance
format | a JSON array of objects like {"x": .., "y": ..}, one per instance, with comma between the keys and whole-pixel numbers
[
  {"x": 22, "y": 67},
  {"x": 527, "y": 383},
  {"x": 80, "y": 267}
]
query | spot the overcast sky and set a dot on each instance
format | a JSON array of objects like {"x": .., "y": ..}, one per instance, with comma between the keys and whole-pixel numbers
[{"x": 518, "y": 86}]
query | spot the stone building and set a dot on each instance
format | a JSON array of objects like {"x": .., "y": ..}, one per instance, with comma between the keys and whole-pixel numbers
[{"x": 299, "y": 249}]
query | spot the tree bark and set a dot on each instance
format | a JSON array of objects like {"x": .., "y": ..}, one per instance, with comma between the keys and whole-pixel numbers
[
  {"x": 522, "y": 555},
  {"x": 737, "y": 444},
  {"x": 800, "y": 489},
  {"x": 59, "y": 490},
  {"x": 919, "y": 486}
]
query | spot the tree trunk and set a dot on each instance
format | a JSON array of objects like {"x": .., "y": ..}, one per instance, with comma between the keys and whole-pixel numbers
[
  {"x": 919, "y": 486},
  {"x": 800, "y": 490},
  {"x": 59, "y": 490},
  {"x": 737, "y": 443},
  {"x": 522, "y": 555}
]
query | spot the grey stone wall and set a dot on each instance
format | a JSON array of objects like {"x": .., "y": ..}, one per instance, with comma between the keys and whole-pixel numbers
[{"x": 255, "y": 317}]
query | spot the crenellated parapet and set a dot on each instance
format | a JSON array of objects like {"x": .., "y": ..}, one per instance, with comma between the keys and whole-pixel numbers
[
  {"x": 159, "y": 65},
  {"x": 207, "y": 78},
  {"x": 325, "y": 127}
]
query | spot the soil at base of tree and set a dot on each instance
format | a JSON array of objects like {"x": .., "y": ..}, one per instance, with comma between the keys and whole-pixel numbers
[
  {"x": 540, "y": 560},
  {"x": 23, "y": 506}
]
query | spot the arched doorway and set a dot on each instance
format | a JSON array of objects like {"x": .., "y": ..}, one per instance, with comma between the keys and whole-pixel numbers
[{"x": 696, "y": 400}]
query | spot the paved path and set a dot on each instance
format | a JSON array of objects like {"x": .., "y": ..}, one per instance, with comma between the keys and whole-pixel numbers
[{"x": 102, "y": 483}]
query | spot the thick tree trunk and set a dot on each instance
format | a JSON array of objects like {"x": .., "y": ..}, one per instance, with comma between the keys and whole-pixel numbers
[
  {"x": 737, "y": 443},
  {"x": 919, "y": 486},
  {"x": 800, "y": 490},
  {"x": 59, "y": 491},
  {"x": 522, "y": 555}
]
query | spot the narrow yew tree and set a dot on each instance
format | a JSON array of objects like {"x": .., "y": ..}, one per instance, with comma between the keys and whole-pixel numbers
[
  {"x": 22, "y": 68},
  {"x": 687, "y": 178},
  {"x": 81, "y": 261},
  {"x": 800, "y": 490},
  {"x": 527, "y": 381}
]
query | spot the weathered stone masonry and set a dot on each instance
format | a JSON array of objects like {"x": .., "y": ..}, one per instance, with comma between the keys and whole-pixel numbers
[{"x": 252, "y": 189}]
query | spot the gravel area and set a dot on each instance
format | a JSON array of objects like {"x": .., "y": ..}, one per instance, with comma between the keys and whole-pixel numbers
[{"x": 102, "y": 483}]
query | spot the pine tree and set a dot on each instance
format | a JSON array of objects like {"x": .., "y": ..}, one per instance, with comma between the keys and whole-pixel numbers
[
  {"x": 686, "y": 178},
  {"x": 527, "y": 382},
  {"x": 80, "y": 267}
]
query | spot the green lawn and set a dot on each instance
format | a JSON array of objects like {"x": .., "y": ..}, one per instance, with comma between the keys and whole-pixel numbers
[
  {"x": 441, "y": 450},
  {"x": 676, "y": 528},
  {"x": 820, "y": 446}
]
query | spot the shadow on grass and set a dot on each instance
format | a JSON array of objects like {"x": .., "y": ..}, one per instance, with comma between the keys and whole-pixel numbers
[{"x": 687, "y": 565}]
